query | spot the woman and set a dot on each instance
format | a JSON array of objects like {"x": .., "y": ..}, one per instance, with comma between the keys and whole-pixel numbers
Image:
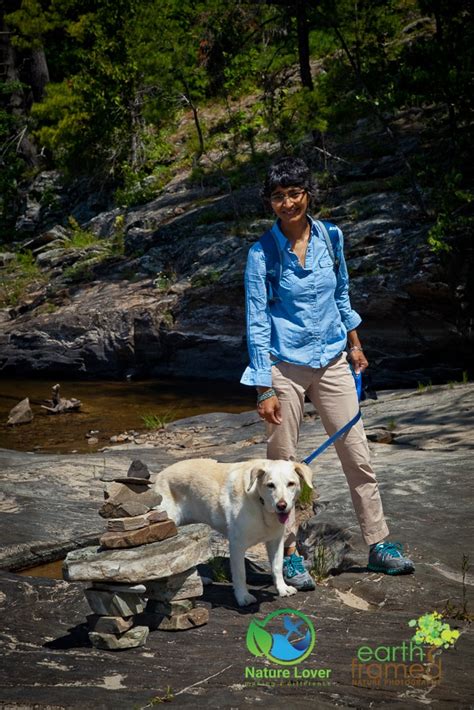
[{"x": 296, "y": 340}]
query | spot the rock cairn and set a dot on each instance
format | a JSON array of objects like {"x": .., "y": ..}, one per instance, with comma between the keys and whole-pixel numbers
[{"x": 143, "y": 576}]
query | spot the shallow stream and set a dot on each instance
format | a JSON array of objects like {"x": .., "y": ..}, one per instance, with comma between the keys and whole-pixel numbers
[{"x": 110, "y": 408}]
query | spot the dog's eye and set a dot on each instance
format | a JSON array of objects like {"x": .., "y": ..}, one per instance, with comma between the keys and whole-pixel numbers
[
  {"x": 270, "y": 485},
  {"x": 291, "y": 484}
]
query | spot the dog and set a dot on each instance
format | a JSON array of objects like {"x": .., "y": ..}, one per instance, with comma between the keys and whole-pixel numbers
[{"x": 248, "y": 502}]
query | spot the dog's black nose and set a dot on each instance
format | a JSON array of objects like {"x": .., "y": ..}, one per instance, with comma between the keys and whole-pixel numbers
[{"x": 281, "y": 505}]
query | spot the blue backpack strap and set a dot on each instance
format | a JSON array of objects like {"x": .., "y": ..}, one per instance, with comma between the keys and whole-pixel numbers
[
  {"x": 274, "y": 264},
  {"x": 331, "y": 236}
]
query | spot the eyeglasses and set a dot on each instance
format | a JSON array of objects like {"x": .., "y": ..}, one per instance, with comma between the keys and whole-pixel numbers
[{"x": 278, "y": 198}]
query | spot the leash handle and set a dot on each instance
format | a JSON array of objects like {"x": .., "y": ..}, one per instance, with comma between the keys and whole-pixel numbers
[{"x": 358, "y": 382}]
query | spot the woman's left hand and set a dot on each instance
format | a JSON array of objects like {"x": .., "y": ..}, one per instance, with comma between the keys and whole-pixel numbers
[{"x": 358, "y": 360}]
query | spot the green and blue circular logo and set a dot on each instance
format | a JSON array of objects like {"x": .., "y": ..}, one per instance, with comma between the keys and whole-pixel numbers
[{"x": 285, "y": 636}]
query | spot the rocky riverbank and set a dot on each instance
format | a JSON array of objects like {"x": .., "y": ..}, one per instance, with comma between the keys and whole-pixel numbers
[
  {"x": 50, "y": 504},
  {"x": 157, "y": 289}
]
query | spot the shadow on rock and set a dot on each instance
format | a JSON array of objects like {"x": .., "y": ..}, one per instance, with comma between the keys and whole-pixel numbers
[
  {"x": 77, "y": 637},
  {"x": 220, "y": 593}
]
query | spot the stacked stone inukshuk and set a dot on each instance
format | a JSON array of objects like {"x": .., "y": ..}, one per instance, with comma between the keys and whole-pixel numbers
[{"x": 144, "y": 574}]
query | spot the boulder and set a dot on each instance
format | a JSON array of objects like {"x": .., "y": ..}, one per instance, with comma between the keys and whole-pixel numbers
[
  {"x": 21, "y": 413},
  {"x": 188, "y": 548}
]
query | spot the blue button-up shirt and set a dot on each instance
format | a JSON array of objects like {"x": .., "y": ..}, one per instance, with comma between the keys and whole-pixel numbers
[{"x": 308, "y": 323}]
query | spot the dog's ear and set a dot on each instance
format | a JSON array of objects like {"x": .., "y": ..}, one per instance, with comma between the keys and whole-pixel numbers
[
  {"x": 256, "y": 473},
  {"x": 305, "y": 473}
]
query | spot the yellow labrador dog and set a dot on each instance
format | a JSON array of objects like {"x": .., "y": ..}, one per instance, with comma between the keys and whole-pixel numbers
[{"x": 248, "y": 502}]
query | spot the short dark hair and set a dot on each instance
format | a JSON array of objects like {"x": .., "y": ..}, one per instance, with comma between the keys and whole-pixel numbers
[{"x": 288, "y": 172}]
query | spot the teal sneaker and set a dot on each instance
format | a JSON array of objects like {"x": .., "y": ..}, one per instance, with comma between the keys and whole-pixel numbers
[
  {"x": 296, "y": 575},
  {"x": 387, "y": 557}
]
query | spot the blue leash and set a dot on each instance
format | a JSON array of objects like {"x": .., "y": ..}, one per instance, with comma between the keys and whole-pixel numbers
[{"x": 346, "y": 427}]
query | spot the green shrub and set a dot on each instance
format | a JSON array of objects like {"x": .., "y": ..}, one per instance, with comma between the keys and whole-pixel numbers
[
  {"x": 206, "y": 279},
  {"x": 306, "y": 496},
  {"x": 158, "y": 421},
  {"x": 19, "y": 276}
]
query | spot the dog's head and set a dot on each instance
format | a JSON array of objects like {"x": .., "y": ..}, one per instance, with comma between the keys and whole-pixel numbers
[{"x": 278, "y": 483}]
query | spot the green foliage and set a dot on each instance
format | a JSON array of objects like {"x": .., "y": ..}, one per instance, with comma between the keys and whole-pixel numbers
[
  {"x": 12, "y": 165},
  {"x": 168, "y": 697},
  {"x": 392, "y": 424},
  {"x": 306, "y": 496},
  {"x": 79, "y": 238},
  {"x": 162, "y": 281},
  {"x": 18, "y": 277},
  {"x": 452, "y": 200},
  {"x": 135, "y": 85},
  {"x": 218, "y": 569},
  {"x": 321, "y": 563},
  {"x": 158, "y": 421},
  {"x": 80, "y": 272},
  {"x": 207, "y": 278},
  {"x": 422, "y": 388}
]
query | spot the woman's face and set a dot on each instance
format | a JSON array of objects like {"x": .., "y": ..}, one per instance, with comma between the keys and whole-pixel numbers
[{"x": 290, "y": 204}]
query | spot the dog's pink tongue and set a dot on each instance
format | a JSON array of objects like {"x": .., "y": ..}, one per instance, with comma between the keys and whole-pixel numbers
[{"x": 283, "y": 517}]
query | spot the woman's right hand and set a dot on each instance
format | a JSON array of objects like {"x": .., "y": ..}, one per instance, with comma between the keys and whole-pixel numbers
[{"x": 270, "y": 410}]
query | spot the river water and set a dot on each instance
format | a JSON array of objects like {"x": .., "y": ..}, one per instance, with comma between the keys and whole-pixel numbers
[{"x": 109, "y": 408}]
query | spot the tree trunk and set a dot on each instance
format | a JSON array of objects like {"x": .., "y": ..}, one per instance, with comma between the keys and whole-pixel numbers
[
  {"x": 39, "y": 73},
  {"x": 302, "y": 26},
  {"x": 189, "y": 101}
]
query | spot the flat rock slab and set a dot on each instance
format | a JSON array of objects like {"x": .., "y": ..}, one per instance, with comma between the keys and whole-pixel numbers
[
  {"x": 185, "y": 585},
  {"x": 119, "y": 495},
  {"x": 140, "y": 536},
  {"x": 426, "y": 486},
  {"x": 109, "y": 624},
  {"x": 188, "y": 548},
  {"x": 43, "y": 631},
  {"x": 108, "y": 603},
  {"x": 137, "y": 521},
  {"x": 178, "y": 622},
  {"x": 169, "y": 608}
]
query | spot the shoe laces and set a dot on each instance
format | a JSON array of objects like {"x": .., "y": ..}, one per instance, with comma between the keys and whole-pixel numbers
[
  {"x": 297, "y": 564},
  {"x": 389, "y": 549}
]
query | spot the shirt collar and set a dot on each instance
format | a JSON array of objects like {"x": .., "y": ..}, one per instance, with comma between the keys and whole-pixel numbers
[{"x": 283, "y": 241}]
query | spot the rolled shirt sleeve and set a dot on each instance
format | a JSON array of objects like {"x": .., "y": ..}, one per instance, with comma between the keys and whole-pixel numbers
[
  {"x": 258, "y": 373},
  {"x": 350, "y": 318}
]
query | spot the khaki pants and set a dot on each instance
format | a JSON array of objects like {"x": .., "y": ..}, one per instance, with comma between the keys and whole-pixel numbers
[{"x": 332, "y": 391}]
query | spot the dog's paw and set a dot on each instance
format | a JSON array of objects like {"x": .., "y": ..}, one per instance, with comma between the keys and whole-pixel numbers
[
  {"x": 245, "y": 599},
  {"x": 287, "y": 591}
]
